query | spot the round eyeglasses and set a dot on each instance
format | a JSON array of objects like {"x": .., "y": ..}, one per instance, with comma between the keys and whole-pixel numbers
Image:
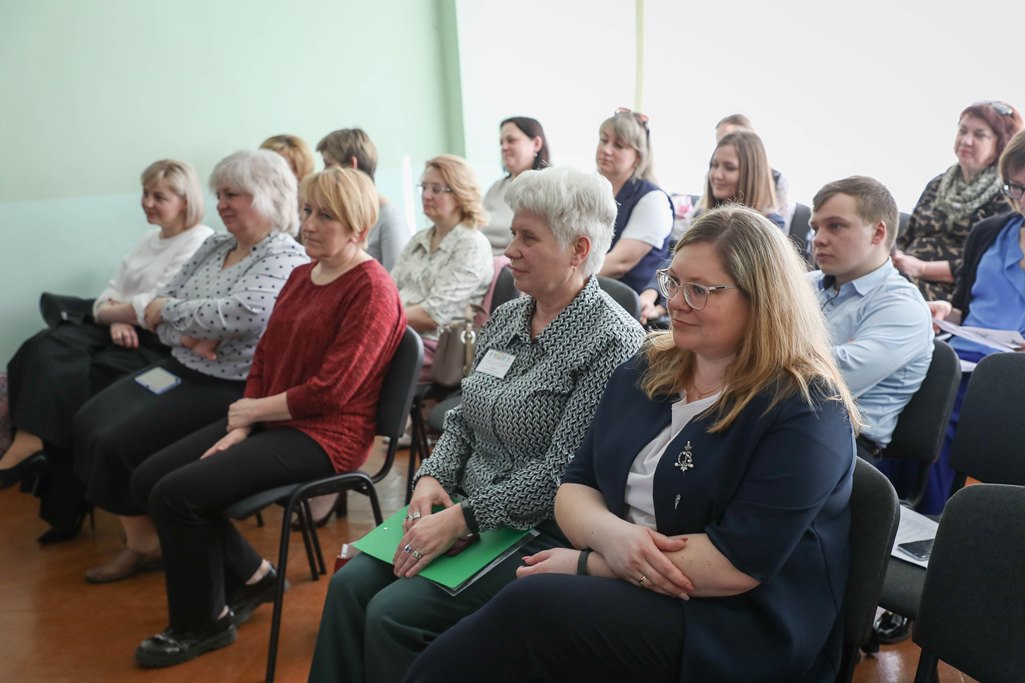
[
  {"x": 696, "y": 295},
  {"x": 1013, "y": 190}
]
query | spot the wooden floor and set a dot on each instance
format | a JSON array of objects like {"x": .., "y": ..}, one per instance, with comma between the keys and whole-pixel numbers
[{"x": 54, "y": 627}]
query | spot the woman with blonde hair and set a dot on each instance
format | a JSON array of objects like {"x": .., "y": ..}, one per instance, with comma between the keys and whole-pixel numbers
[
  {"x": 718, "y": 466},
  {"x": 294, "y": 150},
  {"x": 739, "y": 173},
  {"x": 449, "y": 265}
]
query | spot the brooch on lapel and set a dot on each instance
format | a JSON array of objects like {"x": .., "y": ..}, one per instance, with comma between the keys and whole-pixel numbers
[{"x": 684, "y": 460}]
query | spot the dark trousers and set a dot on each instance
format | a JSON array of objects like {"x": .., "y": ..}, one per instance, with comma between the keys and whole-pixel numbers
[
  {"x": 206, "y": 559},
  {"x": 561, "y": 627},
  {"x": 121, "y": 427}
]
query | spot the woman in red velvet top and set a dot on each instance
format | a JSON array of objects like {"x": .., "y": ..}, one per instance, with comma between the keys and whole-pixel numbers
[{"x": 308, "y": 411}]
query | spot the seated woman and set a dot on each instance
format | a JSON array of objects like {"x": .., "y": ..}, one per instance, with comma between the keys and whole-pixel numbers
[
  {"x": 212, "y": 315},
  {"x": 449, "y": 265},
  {"x": 929, "y": 248},
  {"x": 353, "y": 148},
  {"x": 55, "y": 372},
  {"x": 738, "y": 173},
  {"x": 780, "y": 184},
  {"x": 709, "y": 498},
  {"x": 308, "y": 412},
  {"x": 294, "y": 150},
  {"x": 503, "y": 450},
  {"x": 644, "y": 220},
  {"x": 524, "y": 147}
]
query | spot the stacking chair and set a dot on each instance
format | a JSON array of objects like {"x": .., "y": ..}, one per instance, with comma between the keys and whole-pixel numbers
[
  {"x": 875, "y": 514},
  {"x": 972, "y": 613},
  {"x": 623, "y": 294},
  {"x": 989, "y": 445},
  {"x": 922, "y": 424},
  {"x": 800, "y": 230},
  {"x": 392, "y": 409}
]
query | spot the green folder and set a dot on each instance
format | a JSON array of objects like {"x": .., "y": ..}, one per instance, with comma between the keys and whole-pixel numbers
[{"x": 450, "y": 572}]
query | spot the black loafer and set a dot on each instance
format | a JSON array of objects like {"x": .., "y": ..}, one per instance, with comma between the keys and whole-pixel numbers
[
  {"x": 892, "y": 628},
  {"x": 248, "y": 598},
  {"x": 174, "y": 647}
]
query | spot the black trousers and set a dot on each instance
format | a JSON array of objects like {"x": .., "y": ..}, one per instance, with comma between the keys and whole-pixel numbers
[
  {"x": 561, "y": 627},
  {"x": 206, "y": 559},
  {"x": 50, "y": 377},
  {"x": 121, "y": 427}
]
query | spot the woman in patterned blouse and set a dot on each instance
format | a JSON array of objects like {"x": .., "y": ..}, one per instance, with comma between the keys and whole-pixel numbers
[
  {"x": 211, "y": 314},
  {"x": 541, "y": 365},
  {"x": 449, "y": 265},
  {"x": 929, "y": 248}
]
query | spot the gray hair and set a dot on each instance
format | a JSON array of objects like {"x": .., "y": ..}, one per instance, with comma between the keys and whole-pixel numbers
[
  {"x": 573, "y": 203},
  {"x": 265, "y": 175}
]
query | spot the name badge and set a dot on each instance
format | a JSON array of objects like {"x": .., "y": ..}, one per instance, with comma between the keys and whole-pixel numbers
[{"x": 496, "y": 363}]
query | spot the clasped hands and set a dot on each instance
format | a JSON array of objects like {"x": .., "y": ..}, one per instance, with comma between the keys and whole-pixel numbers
[
  {"x": 242, "y": 415},
  {"x": 427, "y": 534}
]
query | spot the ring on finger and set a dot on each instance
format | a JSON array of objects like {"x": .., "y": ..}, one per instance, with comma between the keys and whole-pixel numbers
[
  {"x": 415, "y": 515},
  {"x": 643, "y": 580},
  {"x": 407, "y": 548},
  {"x": 417, "y": 554},
  {"x": 409, "y": 517}
]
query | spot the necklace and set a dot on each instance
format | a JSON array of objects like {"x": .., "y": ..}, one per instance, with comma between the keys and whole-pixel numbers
[{"x": 702, "y": 394}]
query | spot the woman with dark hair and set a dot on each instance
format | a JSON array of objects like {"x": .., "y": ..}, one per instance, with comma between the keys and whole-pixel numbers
[
  {"x": 929, "y": 248},
  {"x": 524, "y": 147}
]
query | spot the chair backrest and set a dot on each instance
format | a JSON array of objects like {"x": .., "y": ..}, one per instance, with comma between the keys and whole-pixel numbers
[
  {"x": 499, "y": 263},
  {"x": 972, "y": 613},
  {"x": 922, "y": 423},
  {"x": 623, "y": 295},
  {"x": 397, "y": 395},
  {"x": 989, "y": 442},
  {"x": 875, "y": 515},
  {"x": 799, "y": 229},
  {"x": 505, "y": 289}
]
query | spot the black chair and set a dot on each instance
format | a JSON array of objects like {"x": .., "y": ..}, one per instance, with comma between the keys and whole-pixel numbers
[
  {"x": 972, "y": 613},
  {"x": 623, "y": 294},
  {"x": 504, "y": 290},
  {"x": 988, "y": 445},
  {"x": 875, "y": 514},
  {"x": 922, "y": 424},
  {"x": 392, "y": 409},
  {"x": 800, "y": 231}
]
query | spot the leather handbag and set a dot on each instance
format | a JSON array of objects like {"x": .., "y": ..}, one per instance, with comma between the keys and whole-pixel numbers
[{"x": 453, "y": 357}]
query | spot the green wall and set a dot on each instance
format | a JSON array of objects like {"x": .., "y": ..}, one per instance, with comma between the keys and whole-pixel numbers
[{"x": 92, "y": 91}]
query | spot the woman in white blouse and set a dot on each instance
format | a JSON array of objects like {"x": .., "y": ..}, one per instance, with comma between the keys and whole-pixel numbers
[
  {"x": 524, "y": 147},
  {"x": 449, "y": 265},
  {"x": 82, "y": 357}
]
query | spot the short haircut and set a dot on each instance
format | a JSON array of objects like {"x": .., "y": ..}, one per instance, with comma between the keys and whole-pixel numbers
[
  {"x": 532, "y": 129},
  {"x": 1003, "y": 119},
  {"x": 632, "y": 128},
  {"x": 183, "y": 181},
  {"x": 295, "y": 150},
  {"x": 755, "y": 187},
  {"x": 735, "y": 120},
  {"x": 266, "y": 176},
  {"x": 872, "y": 200},
  {"x": 1013, "y": 158},
  {"x": 347, "y": 194},
  {"x": 573, "y": 203},
  {"x": 342, "y": 145},
  {"x": 459, "y": 175}
]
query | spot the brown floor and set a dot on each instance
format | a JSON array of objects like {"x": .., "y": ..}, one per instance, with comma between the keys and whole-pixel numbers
[{"x": 54, "y": 627}]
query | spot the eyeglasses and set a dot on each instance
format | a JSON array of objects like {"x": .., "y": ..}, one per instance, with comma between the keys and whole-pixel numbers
[
  {"x": 433, "y": 189},
  {"x": 696, "y": 295},
  {"x": 999, "y": 107},
  {"x": 1013, "y": 190}
]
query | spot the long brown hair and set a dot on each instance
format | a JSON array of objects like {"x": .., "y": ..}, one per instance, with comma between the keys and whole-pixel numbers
[
  {"x": 755, "y": 187},
  {"x": 786, "y": 348}
]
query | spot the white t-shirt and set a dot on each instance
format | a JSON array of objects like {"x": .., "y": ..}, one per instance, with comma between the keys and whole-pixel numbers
[
  {"x": 640, "y": 501},
  {"x": 149, "y": 267},
  {"x": 651, "y": 220}
]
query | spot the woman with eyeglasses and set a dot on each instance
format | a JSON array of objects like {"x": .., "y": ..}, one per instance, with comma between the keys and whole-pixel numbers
[
  {"x": 645, "y": 218},
  {"x": 449, "y": 265},
  {"x": 718, "y": 467},
  {"x": 929, "y": 249}
]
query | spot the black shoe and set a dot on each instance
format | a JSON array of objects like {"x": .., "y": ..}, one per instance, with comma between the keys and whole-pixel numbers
[
  {"x": 892, "y": 628},
  {"x": 12, "y": 475},
  {"x": 174, "y": 647},
  {"x": 248, "y": 598}
]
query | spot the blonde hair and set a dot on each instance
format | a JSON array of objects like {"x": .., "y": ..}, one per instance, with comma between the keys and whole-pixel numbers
[
  {"x": 632, "y": 129},
  {"x": 347, "y": 194},
  {"x": 786, "y": 348},
  {"x": 183, "y": 181},
  {"x": 342, "y": 145},
  {"x": 457, "y": 174},
  {"x": 755, "y": 187},
  {"x": 295, "y": 151}
]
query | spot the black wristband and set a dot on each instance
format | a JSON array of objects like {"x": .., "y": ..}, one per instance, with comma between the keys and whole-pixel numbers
[
  {"x": 470, "y": 518},
  {"x": 582, "y": 562}
]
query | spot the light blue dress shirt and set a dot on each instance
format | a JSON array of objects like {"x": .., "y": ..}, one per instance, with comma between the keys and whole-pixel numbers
[{"x": 882, "y": 339}]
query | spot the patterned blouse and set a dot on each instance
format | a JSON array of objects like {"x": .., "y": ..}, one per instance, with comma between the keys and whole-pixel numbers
[
  {"x": 208, "y": 301},
  {"x": 445, "y": 280},
  {"x": 506, "y": 447},
  {"x": 932, "y": 236}
]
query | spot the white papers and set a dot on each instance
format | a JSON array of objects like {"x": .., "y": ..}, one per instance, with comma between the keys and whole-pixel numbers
[
  {"x": 913, "y": 527},
  {"x": 1001, "y": 340}
]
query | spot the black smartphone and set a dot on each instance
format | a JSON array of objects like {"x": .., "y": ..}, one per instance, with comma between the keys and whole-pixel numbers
[{"x": 920, "y": 550}]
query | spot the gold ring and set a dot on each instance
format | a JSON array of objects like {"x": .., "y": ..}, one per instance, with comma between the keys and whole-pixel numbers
[{"x": 643, "y": 580}]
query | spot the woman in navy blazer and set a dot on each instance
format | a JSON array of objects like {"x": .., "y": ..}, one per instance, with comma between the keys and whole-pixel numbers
[{"x": 708, "y": 505}]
